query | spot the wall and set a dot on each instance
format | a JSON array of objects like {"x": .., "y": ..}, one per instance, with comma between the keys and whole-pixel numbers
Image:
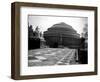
[{"x": 5, "y": 40}]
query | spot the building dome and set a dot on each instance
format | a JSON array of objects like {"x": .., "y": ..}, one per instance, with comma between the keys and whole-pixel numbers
[
  {"x": 62, "y": 25},
  {"x": 62, "y": 34}
]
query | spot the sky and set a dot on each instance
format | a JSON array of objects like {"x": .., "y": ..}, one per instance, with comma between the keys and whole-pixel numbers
[{"x": 45, "y": 22}]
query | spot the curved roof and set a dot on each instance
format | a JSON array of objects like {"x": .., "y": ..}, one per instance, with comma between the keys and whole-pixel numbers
[
  {"x": 62, "y": 29},
  {"x": 62, "y": 25}
]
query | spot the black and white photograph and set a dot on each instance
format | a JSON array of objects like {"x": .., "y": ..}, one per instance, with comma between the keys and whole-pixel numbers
[{"x": 57, "y": 40}]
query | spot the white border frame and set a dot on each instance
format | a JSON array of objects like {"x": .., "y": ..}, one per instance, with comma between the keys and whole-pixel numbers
[{"x": 25, "y": 70}]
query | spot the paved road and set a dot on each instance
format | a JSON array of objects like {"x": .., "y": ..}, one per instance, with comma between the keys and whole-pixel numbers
[{"x": 51, "y": 56}]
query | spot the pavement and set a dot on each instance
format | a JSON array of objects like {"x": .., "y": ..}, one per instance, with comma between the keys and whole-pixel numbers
[{"x": 51, "y": 56}]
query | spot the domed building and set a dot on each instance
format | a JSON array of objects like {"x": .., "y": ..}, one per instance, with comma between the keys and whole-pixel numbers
[{"x": 62, "y": 35}]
